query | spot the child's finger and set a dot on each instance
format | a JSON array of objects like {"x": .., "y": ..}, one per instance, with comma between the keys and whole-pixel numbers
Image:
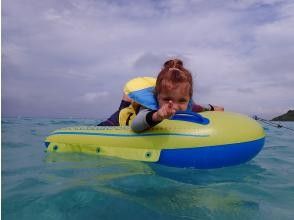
[{"x": 173, "y": 111}]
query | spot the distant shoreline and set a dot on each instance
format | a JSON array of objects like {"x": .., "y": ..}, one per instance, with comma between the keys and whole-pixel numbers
[{"x": 289, "y": 116}]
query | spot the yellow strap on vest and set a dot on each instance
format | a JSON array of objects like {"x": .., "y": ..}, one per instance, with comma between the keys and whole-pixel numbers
[{"x": 127, "y": 115}]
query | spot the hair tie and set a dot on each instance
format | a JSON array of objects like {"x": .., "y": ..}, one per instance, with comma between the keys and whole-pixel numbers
[{"x": 173, "y": 68}]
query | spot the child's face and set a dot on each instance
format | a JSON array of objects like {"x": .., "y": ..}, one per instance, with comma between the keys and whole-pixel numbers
[{"x": 178, "y": 94}]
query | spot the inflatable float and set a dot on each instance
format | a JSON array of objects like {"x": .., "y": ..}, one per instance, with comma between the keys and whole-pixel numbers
[{"x": 205, "y": 140}]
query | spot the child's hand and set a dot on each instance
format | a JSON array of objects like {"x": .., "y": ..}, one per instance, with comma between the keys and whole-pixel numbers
[
  {"x": 165, "y": 112},
  {"x": 218, "y": 108}
]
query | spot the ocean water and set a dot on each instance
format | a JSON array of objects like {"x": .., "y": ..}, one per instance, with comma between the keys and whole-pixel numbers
[{"x": 40, "y": 185}]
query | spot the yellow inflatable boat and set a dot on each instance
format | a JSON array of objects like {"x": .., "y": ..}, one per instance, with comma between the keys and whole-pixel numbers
[{"x": 205, "y": 140}]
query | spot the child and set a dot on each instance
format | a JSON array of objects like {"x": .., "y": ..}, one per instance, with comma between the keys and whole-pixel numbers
[{"x": 173, "y": 92}]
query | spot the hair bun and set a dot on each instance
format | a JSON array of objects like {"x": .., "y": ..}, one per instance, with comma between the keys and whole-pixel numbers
[{"x": 175, "y": 63}]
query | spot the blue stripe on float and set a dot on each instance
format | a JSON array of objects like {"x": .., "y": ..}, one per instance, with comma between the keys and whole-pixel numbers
[
  {"x": 128, "y": 135},
  {"x": 211, "y": 157}
]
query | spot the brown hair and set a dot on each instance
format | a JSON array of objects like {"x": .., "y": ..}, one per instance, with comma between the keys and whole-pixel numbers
[{"x": 173, "y": 72}]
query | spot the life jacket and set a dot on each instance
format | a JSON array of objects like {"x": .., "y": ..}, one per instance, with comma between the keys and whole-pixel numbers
[
  {"x": 141, "y": 91},
  {"x": 127, "y": 115}
]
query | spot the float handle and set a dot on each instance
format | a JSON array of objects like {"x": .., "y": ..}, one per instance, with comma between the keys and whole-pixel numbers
[{"x": 190, "y": 117}]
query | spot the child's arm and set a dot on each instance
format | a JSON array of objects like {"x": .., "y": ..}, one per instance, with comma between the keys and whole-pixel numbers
[
  {"x": 143, "y": 120},
  {"x": 202, "y": 108},
  {"x": 147, "y": 118}
]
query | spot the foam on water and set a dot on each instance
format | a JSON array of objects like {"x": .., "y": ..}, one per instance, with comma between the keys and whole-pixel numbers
[{"x": 38, "y": 185}]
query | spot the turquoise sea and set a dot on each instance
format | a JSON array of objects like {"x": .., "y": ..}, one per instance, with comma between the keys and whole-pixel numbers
[{"x": 39, "y": 185}]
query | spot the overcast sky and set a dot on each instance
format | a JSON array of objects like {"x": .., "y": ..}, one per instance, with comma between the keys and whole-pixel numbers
[{"x": 71, "y": 58}]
